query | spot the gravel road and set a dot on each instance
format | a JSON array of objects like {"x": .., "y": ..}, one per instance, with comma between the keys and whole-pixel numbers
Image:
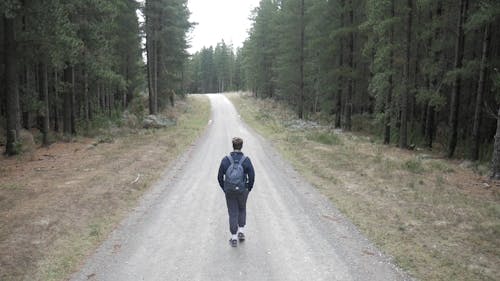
[{"x": 180, "y": 229}]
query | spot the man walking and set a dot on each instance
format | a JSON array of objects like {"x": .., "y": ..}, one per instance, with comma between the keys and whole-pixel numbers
[{"x": 236, "y": 177}]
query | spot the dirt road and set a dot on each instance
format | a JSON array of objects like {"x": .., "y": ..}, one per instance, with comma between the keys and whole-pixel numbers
[{"x": 180, "y": 230}]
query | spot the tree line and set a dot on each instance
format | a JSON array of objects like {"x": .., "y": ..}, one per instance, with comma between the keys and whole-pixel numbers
[
  {"x": 66, "y": 62},
  {"x": 426, "y": 71},
  {"x": 214, "y": 70}
]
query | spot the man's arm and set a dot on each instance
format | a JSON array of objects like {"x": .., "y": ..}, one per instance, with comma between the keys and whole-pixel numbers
[
  {"x": 222, "y": 171},
  {"x": 251, "y": 174}
]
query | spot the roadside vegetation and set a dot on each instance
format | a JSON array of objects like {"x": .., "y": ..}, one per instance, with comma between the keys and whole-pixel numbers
[
  {"x": 439, "y": 219},
  {"x": 57, "y": 205}
]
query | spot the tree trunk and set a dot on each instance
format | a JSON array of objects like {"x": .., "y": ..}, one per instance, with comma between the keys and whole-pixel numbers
[
  {"x": 455, "y": 96},
  {"x": 112, "y": 102},
  {"x": 26, "y": 111},
  {"x": 56, "y": 102},
  {"x": 338, "y": 103},
  {"x": 480, "y": 92},
  {"x": 149, "y": 72},
  {"x": 152, "y": 63},
  {"x": 403, "y": 130},
  {"x": 99, "y": 99},
  {"x": 11, "y": 87},
  {"x": 44, "y": 91},
  {"x": 73, "y": 103},
  {"x": 495, "y": 165},
  {"x": 86, "y": 102},
  {"x": 388, "y": 100},
  {"x": 155, "y": 77},
  {"x": 350, "y": 80},
  {"x": 301, "y": 82},
  {"x": 172, "y": 98},
  {"x": 67, "y": 102},
  {"x": 2, "y": 78},
  {"x": 429, "y": 126}
]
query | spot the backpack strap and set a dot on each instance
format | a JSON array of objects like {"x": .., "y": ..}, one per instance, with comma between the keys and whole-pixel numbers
[
  {"x": 230, "y": 158},
  {"x": 242, "y": 160}
]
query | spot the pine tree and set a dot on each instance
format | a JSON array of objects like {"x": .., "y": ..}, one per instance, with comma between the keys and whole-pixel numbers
[{"x": 10, "y": 14}]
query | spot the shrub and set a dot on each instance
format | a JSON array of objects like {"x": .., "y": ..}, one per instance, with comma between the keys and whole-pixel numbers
[
  {"x": 414, "y": 165},
  {"x": 324, "y": 138}
]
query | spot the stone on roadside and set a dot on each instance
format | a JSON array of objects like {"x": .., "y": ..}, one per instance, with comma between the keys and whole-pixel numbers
[
  {"x": 466, "y": 164},
  {"x": 299, "y": 124},
  {"x": 157, "y": 122},
  {"x": 130, "y": 120}
]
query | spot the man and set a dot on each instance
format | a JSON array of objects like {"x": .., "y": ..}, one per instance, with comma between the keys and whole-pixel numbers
[{"x": 236, "y": 165}]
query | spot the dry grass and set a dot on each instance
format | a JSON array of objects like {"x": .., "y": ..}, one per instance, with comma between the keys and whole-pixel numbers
[
  {"x": 55, "y": 210},
  {"x": 438, "y": 220}
]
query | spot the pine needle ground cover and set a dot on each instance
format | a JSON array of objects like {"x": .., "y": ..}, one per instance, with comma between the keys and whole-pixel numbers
[
  {"x": 56, "y": 209},
  {"x": 439, "y": 220}
]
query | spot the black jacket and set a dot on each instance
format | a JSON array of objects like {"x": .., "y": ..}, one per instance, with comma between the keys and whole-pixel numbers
[{"x": 247, "y": 167}]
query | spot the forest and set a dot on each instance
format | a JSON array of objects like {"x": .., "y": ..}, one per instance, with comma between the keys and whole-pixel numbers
[
  {"x": 416, "y": 73},
  {"x": 67, "y": 64}
]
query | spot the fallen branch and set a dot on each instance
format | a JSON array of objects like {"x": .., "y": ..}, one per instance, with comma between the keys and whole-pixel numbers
[{"x": 136, "y": 179}]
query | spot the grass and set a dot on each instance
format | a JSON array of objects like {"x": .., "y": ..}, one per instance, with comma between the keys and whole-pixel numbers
[
  {"x": 71, "y": 250},
  {"x": 414, "y": 165},
  {"x": 85, "y": 189},
  {"x": 192, "y": 118},
  {"x": 438, "y": 220},
  {"x": 9, "y": 186},
  {"x": 324, "y": 138}
]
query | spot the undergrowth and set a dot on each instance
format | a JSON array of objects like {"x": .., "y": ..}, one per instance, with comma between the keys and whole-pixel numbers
[{"x": 440, "y": 220}]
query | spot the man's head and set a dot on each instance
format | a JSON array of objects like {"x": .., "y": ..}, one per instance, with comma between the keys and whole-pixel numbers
[{"x": 237, "y": 143}]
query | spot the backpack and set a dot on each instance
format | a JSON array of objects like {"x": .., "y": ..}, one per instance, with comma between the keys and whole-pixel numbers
[{"x": 234, "y": 180}]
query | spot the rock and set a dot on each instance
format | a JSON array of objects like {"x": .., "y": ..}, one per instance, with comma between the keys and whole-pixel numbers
[
  {"x": 130, "y": 120},
  {"x": 424, "y": 156},
  {"x": 157, "y": 122},
  {"x": 27, "y": 140},
  {"x": 466, "y": 164},
  {"x": 298, "y": 124},
  {"x": 27, "y": 144}
]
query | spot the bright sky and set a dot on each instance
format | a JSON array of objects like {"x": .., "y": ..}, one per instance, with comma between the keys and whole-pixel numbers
[{"x": 220, "y": 19}]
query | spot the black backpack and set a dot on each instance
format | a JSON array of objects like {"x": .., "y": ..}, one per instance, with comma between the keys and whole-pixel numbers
[{"x": 235, "y": 180}]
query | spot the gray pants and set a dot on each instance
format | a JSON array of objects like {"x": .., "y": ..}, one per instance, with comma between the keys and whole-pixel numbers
[{"x": 237, "y": 209}]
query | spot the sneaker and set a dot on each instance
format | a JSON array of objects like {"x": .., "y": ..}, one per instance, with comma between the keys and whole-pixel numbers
[
  {"x": 233, "y": 242},
  {"x": 241, "y": 236}
]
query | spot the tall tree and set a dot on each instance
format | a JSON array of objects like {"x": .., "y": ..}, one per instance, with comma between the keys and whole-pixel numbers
[
  {"x": 338, "y": 102},
  {"x": 495, "y": 160},
  {"x": 261, "y": 49},
  {"x": 350, "y": 62},
  {"x": 302, "y": 25},
  {"x": 482, "y": 19},
  {"x": 480, "y": 93},
  {"x": 10, "y": 16},
  {"x": 458, "y": 63},
  {"x": 403, "y": 132},
  {"x": 166, "y": 26},
  {"x": 291, "y": 59},
  {"x": 380, "y": 21}
]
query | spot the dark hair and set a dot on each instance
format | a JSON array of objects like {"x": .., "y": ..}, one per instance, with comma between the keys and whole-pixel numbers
[{"x": 237, "y": 143}]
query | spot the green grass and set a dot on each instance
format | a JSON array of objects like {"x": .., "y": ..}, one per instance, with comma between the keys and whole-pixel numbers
[
  {"x": 421, "y": 211},
  {"x": 10, "y": 186},
  {"x": 414, "y": 165}
]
